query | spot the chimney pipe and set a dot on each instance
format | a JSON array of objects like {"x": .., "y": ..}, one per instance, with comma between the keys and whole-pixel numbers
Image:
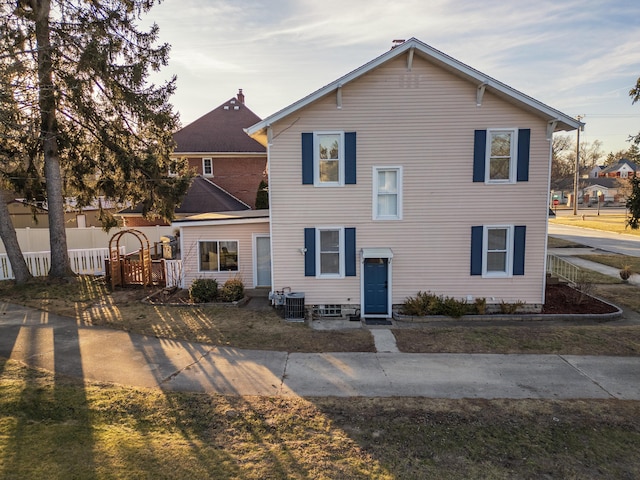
[{"x": 240, "y": 96}]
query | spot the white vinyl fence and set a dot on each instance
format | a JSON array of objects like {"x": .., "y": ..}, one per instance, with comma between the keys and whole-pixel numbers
[
  {"x": 88, "y": 261},
  {"x": 173, "y": 273}
]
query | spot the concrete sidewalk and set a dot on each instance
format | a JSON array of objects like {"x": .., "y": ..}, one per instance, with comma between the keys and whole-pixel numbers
[{"x": 60, "y": 345}]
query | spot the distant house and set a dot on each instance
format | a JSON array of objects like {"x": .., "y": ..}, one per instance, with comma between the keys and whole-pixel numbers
[
  {"x": 229, "y": 164},
  {"x": 595, "y": 171},
  {"x": 623, "y": 168},
  {"x": 35, "y": 214},
  {"x": 360, "y": 215}
]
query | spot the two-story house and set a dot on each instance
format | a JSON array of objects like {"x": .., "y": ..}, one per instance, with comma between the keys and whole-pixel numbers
[
  {"x": 360, "y": 215},
  {"x": 217, "y": 148}
]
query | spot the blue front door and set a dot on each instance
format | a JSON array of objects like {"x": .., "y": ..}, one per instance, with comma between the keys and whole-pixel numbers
[{"x": 376, "y": 286}]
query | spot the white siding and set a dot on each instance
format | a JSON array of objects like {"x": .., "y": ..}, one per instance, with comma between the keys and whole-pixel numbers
[
  {"x": 242, "y": 233},
  {"x": 423, "y": 120}
]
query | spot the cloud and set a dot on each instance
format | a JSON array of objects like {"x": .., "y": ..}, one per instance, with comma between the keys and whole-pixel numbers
[{"x": 572, "y": 54}]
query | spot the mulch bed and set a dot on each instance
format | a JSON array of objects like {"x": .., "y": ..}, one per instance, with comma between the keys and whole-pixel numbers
[{"x": 562, "y": 299}]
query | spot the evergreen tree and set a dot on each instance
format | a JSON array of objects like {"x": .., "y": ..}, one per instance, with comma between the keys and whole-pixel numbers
[
  {"x": 101, "y": 128},
  {"x": 633, "y": 204}
]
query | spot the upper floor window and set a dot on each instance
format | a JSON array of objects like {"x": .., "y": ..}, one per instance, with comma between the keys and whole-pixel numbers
[
  {"x": 501, "y": 155},
  {"x": 207, "y": 167},
  {"x": 328, "y": 158},
  {"x": 387, "y": 193}
]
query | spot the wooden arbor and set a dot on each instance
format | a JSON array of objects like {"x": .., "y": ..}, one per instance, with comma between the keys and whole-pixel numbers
[{"x": 126, "y": 270}]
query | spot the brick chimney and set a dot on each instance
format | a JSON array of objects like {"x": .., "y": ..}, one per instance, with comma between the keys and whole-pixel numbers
[{"x": 240, "y": 96}]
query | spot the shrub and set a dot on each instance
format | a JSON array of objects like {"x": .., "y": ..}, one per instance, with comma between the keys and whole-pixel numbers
[
  {"x": 481, "y": 306},
  {"x": 510, "y": 308},
  {"x": 427, "y": 303},
  {"x": 204, "y": 290},
  {"x": 625, "y": 272},
  {"x": 451, "y": 307},
  {"x": 232, "y": 290}
]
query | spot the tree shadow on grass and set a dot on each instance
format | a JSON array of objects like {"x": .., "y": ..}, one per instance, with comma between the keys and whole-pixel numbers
[{"x": 47, "y": 417}]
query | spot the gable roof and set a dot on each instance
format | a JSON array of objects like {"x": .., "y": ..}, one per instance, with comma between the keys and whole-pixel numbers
[
  {"x": 604, "y": 182},
  {"x": 413, "y": 46},
  {"x": 616, "y": 166},
  {"x": 203, "y": 196},
  {"x": 220, "y": 131}
]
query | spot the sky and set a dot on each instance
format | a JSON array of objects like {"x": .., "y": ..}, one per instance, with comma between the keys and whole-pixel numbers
[{"x": 579, "y": 56}]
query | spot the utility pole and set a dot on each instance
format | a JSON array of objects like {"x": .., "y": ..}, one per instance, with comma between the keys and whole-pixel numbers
[{"x": 577, "y": 170}]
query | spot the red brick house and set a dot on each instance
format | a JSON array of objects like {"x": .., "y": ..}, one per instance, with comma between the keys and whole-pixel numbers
[
  {"x": 216, "y": 146},
  {"x": 230, "y": 165}
]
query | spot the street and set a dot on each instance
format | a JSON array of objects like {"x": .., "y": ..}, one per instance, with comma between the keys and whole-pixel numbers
[{"x": 611, "y": 242}]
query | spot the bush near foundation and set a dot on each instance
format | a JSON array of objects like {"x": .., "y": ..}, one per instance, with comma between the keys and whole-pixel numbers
[
  {"x": 232, "y": 290},
  {"x": 204, "y": 290}
]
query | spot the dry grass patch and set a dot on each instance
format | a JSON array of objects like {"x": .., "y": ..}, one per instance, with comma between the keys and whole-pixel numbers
[
  {"x": 55, "y": 427},
  {"x": 89, "y": 301},
  {"x": 583, "y": 340},
  {"x": 554, "y": 242},
  {"x": 626, "y": 295},
  {"x": 614, "y": 260}
]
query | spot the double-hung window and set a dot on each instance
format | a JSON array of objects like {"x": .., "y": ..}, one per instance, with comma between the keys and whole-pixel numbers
[
  {"x": 501, "y": 155},
  {"x": 330, "y": 252},
  {"x": 328, "y": 150},
  {"x": 387, "y": 193},
  {"x": 207, "y": 167},
  {"x": 498, "y": 251},
  {"x": 502, "y": 147},
  {"x": 218, "y": 256}
]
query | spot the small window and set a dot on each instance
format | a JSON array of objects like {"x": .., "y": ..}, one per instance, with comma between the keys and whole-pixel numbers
[
  {"x": 387, "y": 193},
  {"x": 218, "y": 256},
  {"x": 207, "y": 167},
  {"x": 498, "y": 252},
  {"x": 328, "y": 158},
  {"x": 330, "y": 253},
  {"x": 328, "y": 310},
  {"x": 501, "y": 156}
]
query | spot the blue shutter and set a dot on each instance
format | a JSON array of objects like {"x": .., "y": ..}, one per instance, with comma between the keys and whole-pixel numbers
[
  {"x": 350, "y": 252},
  {"x": 518, "y": 249},
  {"x": 524, "y": 140},
  {"x": 350, "y": 158},
  {"x": 307, "y": 158},
  {"x": 310, "y": 253},
  {"x": 479, "y": 155},
  {"x": 476, "y": 250}
]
